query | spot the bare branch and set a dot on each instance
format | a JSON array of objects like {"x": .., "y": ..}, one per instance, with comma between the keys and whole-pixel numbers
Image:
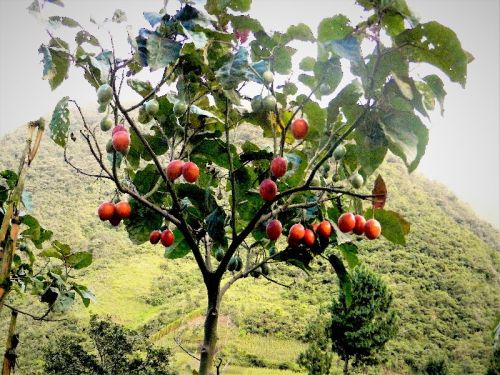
[{"x": 35, "y": 317}]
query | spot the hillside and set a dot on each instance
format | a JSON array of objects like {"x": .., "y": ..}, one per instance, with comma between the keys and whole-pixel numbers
[{"x": 445, "y": 280}]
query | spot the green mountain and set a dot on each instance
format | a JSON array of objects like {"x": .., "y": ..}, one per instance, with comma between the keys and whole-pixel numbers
[{"x": 445, "y": 279}]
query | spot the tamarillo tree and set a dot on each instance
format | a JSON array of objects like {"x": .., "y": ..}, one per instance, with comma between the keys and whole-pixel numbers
[
  {"x": 27, "y": 264},
  {"x": 222, "y": 71}
]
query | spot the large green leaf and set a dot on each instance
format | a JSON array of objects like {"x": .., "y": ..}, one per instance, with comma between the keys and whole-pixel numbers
[
  {"x": 80, "y": 259},
  {"x": 56, "y": 21},
  {"x": 35, "y": 232},
  {"x": 436, "y": 85},
  {"x": 85, "y": 294},
  {"x": 333, "y": 28},
  {"x": 316, "y": 117},
  {"x": 234, "y": 71},
  {"x": 142, "y": 222},
  {"x": 55, "y": 61},
  {"x": 371, "y": 146},
  {"x": 282, "y": 59},
  {"x": 155, "y": 50},
  {"x": 437, "y": 45},
  {"x": 179, "y": 249},
  {"x": 245, "y": 23},
  {"x": 394, "y": 226},
  {"x": 59, "y": 124},
  {"x": 84, "y": 36},
  {"x": 344, "y": 278},
  {"x": 348, "y": 96},
  {"x": 350, "y": 254},
  {"x": 215, "y": 225},
  {"x": 300, "y": 32},
  {"x": 140, "y": 87},
  {"x": 407, "y": 136}
]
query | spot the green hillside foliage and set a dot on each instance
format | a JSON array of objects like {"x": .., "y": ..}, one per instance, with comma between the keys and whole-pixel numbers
[{"x": 445, "y": 280}]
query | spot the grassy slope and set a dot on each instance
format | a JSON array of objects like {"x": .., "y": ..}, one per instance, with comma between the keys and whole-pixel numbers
[{"x": 444, "y": 279}]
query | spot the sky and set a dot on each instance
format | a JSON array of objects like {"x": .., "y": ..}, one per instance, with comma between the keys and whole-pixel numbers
[{"x": 463, "y": 152}]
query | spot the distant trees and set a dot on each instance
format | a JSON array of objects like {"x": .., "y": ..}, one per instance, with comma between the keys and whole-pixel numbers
[
  {"x": 112, "y": 350},
  {"x": 358, "y": 331}
]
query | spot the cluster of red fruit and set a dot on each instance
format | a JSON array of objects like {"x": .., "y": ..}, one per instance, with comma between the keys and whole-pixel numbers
[
  {"x": 347, "y": 222},
  {"x": 359, "y": 225},
  {"x": 298, "y": 233},
  {"x": 120, "y": 138},
  {"x": 176, "y": 168},
  {"x": 114, "y": 212},
  {"x": 268, "y": 188},
  {"x": 166, "y": 237}
]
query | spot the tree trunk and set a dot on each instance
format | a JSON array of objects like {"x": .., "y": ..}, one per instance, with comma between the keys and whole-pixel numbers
[
  {"x": 210, "y": 335},
  {"x": 9, "y": 358},
  {"x": 346, "y": 365}
]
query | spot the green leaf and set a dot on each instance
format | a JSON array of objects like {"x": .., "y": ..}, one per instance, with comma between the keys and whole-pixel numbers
[
  {"x": 334, "y": 28},
  {"x": 179, "y": 249},
  {"x": 200, "y": 198},
  {"x": 212, "y": 150},
  {"x": 437, "y": 45},
  {"x": 201, "y": 112},
  {"x": 344, "y": 278},
  {"x": 62, "y": 248},
  {"x": 407, "y": 137},
  {"x": 307, "y": 64},
  {"x": 371, "y": 146},
  {"x": 282, "y": 59},
  {"x": 394, "y": 226},
  {"x": 80, "y": 260},
  {"x": 140, "y": 87},
  {"x": 56, "y": 21},
  {"x": 50, "y": 253},
  {"x": 316, "y": 117},
  {"x": 142, "y": 222},
  {"x": 234, "y": 71},
  {"x": 215, "y": 225},
  {"x": 437, "y": 86},
  {"x": 59, "y": 124},
  {"x": 199, "y": 39},
  {"x": 84, "y": 36},
  {"x": 156, "y": 51},
  {"x": 55, "y": 61},
  {"x": 85, "y": 294},
  {"x": 350, "y": 254},
  {"x": 329, "y": 73},
  {"x": 245, "y": 23},
  {"x": 119, "y": 16},
  {"x": 35, "y": 232},
  {"x": 64, "y": 301},
  {"x": 348, "y": 48},
  {"x": 296, "y": 173},
  {"x": 240, "y": 5},
  {"x": 300, "y": 32},
  {"x": 348, "y": 96}
]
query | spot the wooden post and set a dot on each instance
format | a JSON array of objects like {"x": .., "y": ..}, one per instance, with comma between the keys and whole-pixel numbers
[{"x": 9, "y": 358}]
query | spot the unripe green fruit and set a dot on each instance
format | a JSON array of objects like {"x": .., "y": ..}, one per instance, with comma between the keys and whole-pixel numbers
[
  {"x": 109, "y": 146},
  {"x": 265, "y": 269},
  {"x": 325, "y": 89},
  {"x": 316, "y": 181},
  {"x": 257, "y": 103},
  {"x": 219, "y": 254},
  {"x": 180, "y": 107},
  {"x": 104, "y": 93},
  {"x": 233, "y": 263},
  {"x": 256, "y": 272},
  {"x": 106, "y": 124},
  {"x": 239, "y": 264},
  {"x": 268, "y": 76},
  {"x": 269, "y": 103},
  {"x": 357, "y": 180},
  {"x": 102, "y": 107},
  {"x": 152, "y": 107},
  {"x": 144, "y": 116},
  {"x": 339, "y": 152}
]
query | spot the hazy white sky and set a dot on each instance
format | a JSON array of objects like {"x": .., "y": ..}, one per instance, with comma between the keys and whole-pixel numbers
[{"x": 463, "y": 152}]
